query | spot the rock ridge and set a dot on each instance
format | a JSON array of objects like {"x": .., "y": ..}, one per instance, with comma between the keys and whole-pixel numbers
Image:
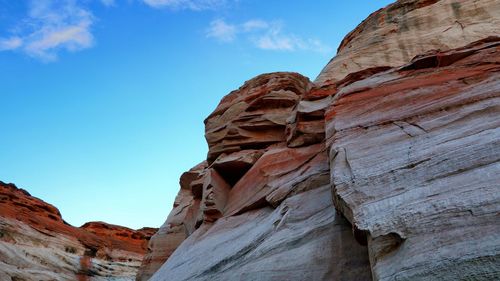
[{"x": 37, "y": 244}]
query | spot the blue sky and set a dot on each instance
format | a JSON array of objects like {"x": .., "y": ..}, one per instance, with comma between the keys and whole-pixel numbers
[{"x": 103, "y": 101}]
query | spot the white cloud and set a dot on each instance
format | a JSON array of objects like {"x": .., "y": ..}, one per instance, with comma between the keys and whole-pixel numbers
[
  {"x": 265, "y": 35},
  {"x": 276, "y": 43},
  {"x": 222, "y": 31},
  {"x": 196, "y": 5},
  {"x": 11, "y": 43},
  {"x": 51, "y": 26},
  {"x": 255, "y": 24}
]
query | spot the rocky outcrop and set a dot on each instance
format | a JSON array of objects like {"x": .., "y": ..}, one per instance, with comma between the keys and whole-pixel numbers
[
  {"x": 254, "y": 116},
  {"x": 385, "y": 169},
  {"x": 259, "y": 209},
  {"x": 417, "y": 173},
  {"x": 302, "y": 239},
  {"x": 37, "y": 244},
  {"x": 394, "y": 35}
]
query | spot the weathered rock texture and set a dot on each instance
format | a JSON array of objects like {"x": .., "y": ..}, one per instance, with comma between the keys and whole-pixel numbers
[
  {"x": 394, "y": 35},
  {"x": 418, "y": 173},
  {"x": 254, "y": 116},
  {"x": 36, "y": 244},
  {"x": 240, "y": 216},
  {"x": 387, "y": 168}
]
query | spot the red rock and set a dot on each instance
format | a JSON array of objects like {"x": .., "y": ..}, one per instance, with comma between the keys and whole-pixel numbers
[
  {"x": 233, "y": 166},
  {"x": 37, "y": 228},
  {"x": 279, "y": 171},
  {"x": 215, "y": 193},
  {"x": 307, "y": 126},
  {"x": 302, "y": 239},
  {"x": 254, "y": 116}
]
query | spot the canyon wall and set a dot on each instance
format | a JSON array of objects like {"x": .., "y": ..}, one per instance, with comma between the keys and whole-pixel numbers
[
  {"x": 384, "y": 168},
  {"x": 37, "y": 244},
  {"x": 394, "y": 35},
  {"x": 417, "y": 173}
]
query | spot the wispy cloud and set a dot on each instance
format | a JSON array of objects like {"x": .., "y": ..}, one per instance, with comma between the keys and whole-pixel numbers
[
  {"x": 255, "y": 24},
  {"x": 264, "y": 35},
  {"x": 49, "y": 27},
  {"x": 11, "y": 43},
  {"x": 222, "y": 31},
  {"x": 196, "y": 5}
]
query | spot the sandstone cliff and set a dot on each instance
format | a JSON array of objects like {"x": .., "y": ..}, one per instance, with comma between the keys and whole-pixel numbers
[
  {"x": 394, "y": 35},
  {"x": 385, "y": 168},
  {"x": 37, "y": 244}
]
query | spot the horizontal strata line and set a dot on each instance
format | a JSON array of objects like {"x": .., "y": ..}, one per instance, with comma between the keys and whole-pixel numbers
[
  {"x": 430, "y": 112},
  {"x": 463, "y": 170}
]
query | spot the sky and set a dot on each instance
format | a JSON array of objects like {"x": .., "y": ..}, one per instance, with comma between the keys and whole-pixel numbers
[{"x": 103, "y": 101}]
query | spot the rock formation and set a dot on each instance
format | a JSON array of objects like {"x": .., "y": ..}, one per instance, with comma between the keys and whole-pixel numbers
[
  {"x": 417, "y": 173},
  {"x": 394, "y": 35},
  {"x": 37, "y": 244},
  {"x": 385, "y": 168}
]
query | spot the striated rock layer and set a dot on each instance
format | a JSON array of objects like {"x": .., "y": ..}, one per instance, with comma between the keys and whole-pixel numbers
[
  {"x": 262, "y": 211},
  {"x": 37, "y": 244},
  {"x": 418, "y": 173},
  {"x": 394, "y": 35},
  {"x": 389, "y": 170}
]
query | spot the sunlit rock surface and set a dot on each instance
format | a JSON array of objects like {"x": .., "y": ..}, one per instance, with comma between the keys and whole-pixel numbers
[
  {"x": 384, "y": 170},
  {"x": 415, "y": 161},
  {"x": 302, "y": 239},
  {"x": 36, "y": 244},
  {"x": 255, "y": 203},
  {"x": 255, "y": 115},
  {"x": 394, "y": 35}
]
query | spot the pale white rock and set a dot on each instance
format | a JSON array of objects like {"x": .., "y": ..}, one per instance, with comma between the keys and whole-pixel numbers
[
  {"x": 394, "y": 35},
  {"x": 302, "y": 239},
  {"x": 28, "y": 254},
  {"x": 415, "y": 166}
]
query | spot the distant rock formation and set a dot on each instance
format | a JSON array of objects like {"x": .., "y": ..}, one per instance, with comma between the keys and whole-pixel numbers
[
  {"x": 387, "y": 167},
  {"x": 37, "y": 244}
]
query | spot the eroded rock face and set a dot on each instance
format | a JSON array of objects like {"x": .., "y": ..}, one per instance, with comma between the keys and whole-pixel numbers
[
  {"x": 386, "y": 169},
  {"x": 418, "y": 172},
  {"x": 302, "y": 239},
  {"x": 389, "y": 174},
  {"x": 248, "y": 191},
  {"x": 36, "y": 243},
  {"x": 394, "y": 35},
  {"x": 254, "y": 116},
  {"x": 255, "y": 192}
]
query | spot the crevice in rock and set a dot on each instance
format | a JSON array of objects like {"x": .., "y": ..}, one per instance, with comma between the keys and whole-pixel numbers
[
  {"x": 360, "y": 235},
  {"x": 232, "y": 172}
]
